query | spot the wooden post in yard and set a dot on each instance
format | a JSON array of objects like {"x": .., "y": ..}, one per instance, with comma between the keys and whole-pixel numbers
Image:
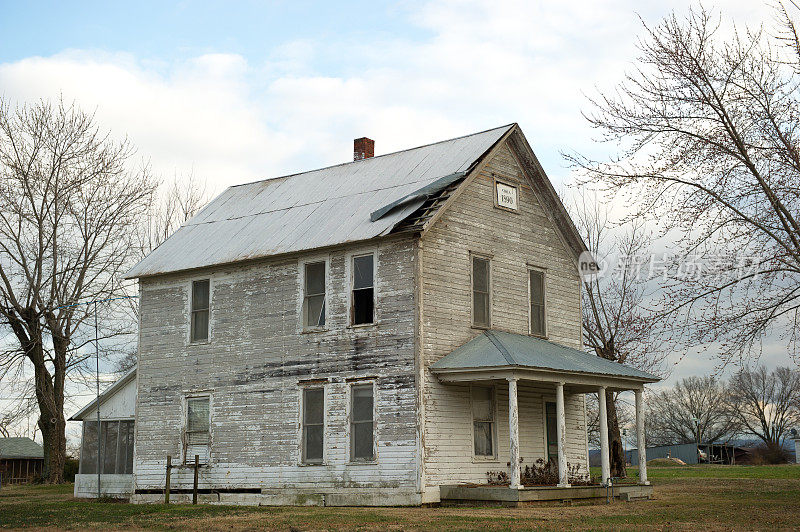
[
  {"x": 194, "y": 488},
  {"x": 169, "y": 473}
]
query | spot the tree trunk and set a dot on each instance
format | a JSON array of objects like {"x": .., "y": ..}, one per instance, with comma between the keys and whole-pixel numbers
[{"x": 616, "y": 449}]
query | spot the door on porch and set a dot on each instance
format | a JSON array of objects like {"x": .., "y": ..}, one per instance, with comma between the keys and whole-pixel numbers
[{"x": 551, "y": 432}]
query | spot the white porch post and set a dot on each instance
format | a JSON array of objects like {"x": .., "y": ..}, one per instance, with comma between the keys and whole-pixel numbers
[
  {"x": 513, "y": 431},
  {"x": 561, "y": 429},
  {"x": 640, "y": 443},
  {"x": 605, "y": 459}
]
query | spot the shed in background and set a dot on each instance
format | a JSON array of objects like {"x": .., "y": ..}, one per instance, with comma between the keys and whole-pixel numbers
[{"x": 21, "y": 460}]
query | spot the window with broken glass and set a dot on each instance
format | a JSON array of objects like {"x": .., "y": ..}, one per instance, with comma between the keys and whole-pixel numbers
[
  {"x": 197, "y": 437},
  {"x": 314, "y": 296},
  {"x": 313, "y": 425},
  {"x": 483, "y": 420},
  {"x": 362, "y": 441},
  {"x": 363, "y": 296}
]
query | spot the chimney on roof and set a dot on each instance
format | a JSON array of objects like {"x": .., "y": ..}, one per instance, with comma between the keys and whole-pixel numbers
[{"x": 363, "y": 148}]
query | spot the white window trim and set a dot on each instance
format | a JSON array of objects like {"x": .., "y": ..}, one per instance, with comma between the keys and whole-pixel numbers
[
  {"x": 185, "y": 424},
  {"x": 210, "y": 313},
  {"x": 302, "y": 293},
  {"x": 301, "y": 401},
  {"x": 544, "y": 294},
  {"x": 475, "y": 457},
  {"x": 350, "y": 386},
  {"x": 349, "y": 287},
  {"x": 472, "y": 255}
]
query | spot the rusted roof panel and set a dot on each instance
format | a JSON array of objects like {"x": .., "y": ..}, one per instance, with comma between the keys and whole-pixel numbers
[{"x": 314, "y": 209}]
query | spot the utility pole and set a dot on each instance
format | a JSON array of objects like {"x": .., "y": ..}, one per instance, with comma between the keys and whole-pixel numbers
[{"x": 97, "y": 382}]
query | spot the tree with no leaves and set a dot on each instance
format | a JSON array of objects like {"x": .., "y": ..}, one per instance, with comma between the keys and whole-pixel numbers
[
  {"x": 672, "y": 413},
  {"x": 616, "y": 323},
  {"x": 766, "y": 403},
  {"x": 708, "y": 128},
  {"x": 69, "y": 206}
]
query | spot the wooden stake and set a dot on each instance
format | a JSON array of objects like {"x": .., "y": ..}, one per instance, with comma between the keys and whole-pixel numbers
[
  {"x": 169, "y": 473},
  {"x": 194, "y": 489}
]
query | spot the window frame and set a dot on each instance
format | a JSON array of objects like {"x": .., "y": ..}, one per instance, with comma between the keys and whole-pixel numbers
[
  {"x": 350, "y": 432},
  {"x": 478, "y": 457},
  {"x": 351, "y": 283},
  {"x": 489, "y": 293},
  {"x": 303, "y": 460},
  {"x": 192, "y": 311},
  {"x": 543, "y": 271},
  {"x": 303, "y": 296},
  {"x": 189, "y": 460},
  {"x": 545, "y": 401}
]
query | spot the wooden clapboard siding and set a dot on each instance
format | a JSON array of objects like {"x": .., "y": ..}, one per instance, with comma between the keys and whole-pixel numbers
[
  {"x": 471, "y": 223},
  {"x": 251, "y": 367}
]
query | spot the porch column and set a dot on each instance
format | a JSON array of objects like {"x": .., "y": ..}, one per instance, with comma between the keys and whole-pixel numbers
[
  {"x": 513, "y": 431},
  {"x": 605, "y": 459},
  {"x": 561, "y": 429},
  {"x": 642, "y": 451}
]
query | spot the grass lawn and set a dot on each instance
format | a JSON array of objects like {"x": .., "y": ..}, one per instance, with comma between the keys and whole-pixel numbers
[{"x": 686, "y": 498}]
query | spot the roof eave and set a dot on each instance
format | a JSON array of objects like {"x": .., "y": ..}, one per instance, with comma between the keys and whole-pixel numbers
[
  {"x": 519, "y": 368},
  {"x": 119, "y": 383}
]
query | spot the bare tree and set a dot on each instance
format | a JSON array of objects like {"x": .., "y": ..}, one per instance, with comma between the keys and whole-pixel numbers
[
  {"x": 708, "y": 129},
  {"x": 170, "y": 206},
  {"x": 616, "y": 323},
  {"x": 694, "y": 410},
  {"x": 766, "y": 403},
  {"x": 69, "y": 206}
]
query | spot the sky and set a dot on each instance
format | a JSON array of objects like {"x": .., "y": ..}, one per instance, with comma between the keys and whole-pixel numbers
[{"x": 232, "y": 92}]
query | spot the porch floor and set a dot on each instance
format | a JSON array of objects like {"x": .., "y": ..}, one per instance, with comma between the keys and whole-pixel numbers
[{"x": 505, "y": 496}]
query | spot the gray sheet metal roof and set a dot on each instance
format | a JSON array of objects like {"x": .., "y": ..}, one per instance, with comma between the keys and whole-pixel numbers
[
  {"x": 16, "y": 448},
  {"x": 493, "y": 349},
  {"x": 314, "y": 209}
]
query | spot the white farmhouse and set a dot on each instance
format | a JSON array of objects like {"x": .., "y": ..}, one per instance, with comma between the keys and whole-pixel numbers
[{"x": 373, "y": 333}]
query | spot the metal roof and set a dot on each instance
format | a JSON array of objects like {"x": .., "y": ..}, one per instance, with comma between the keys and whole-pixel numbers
[
  {"x": 315, "y": 209},
  {"x": 108, "y": 392},
  {"x": 496, "y": 349},
  {"x": 19, "y": 448}
]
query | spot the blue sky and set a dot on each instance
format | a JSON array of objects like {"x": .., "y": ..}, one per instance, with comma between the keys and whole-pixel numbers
[{"x": 236, "y": 91}]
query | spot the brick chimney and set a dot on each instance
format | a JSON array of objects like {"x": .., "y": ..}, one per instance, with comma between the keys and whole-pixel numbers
[{"x": 363, "y": 148}]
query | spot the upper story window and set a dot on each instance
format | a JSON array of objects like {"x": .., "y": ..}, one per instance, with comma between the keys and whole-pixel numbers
[
  {"x": 538, "y": 322},
  {"x": 313, "y": 425},
  {"x": 363, "y": 296},
  {"x": 200, "y": 310},
  {"x": 197, "y": 439},
  {"x": 362, "y": 439},
  {"x": 481, "y": 299},
  {"x": 314, "y": 295},
  {"x": 483, "y": 428}
]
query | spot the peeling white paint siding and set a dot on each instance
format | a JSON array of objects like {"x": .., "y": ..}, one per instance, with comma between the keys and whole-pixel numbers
[
  {"x": 120, "y": 405},
  {"x": 514, "y": 241},
  {"x": 252, "y": 365}
]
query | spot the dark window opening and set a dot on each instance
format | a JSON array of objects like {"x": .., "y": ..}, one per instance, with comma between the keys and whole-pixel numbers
[
  {"x": 480, "y": 292},
  {"x": 538, "y": 326},
  {"x": 362, "y": 441},
  {"x": 363, "y": 290},
  {"x": 200, "y": 308},
  {"x": 314, "y": 298},
  {"x": 313, "y": 425}
]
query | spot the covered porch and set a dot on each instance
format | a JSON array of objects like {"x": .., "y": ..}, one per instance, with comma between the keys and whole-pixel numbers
[{"x": 512, "y": 360}]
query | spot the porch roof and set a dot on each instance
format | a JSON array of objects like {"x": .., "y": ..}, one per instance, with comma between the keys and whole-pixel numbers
[{"x": 493, "y": 350}]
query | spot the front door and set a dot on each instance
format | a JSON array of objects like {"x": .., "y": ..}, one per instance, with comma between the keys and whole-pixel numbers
[{"x": 551, "y": 431}]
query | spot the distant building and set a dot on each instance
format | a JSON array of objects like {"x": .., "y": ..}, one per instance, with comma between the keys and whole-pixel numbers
[
  {"x": 21, "y": 460},
  {"x": 117, "y": 412}
]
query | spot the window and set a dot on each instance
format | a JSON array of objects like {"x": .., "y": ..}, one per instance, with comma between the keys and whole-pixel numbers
[
  {"x": 363, "y": 289},
  {"x": 552, "y": 432},
  {"x": 200, "y": 306},
  {"x": 116, "y": 447},
  {"x": 198, "y": 436},
  {"x": 314, "y": 295},
  {"x": 362, "y": 447},
  {"x": 537, "y": 303},
  {"x": 483, "y": 420},
  {"x": 313, "y": 425},
  {"x": 480, "y": 292}
]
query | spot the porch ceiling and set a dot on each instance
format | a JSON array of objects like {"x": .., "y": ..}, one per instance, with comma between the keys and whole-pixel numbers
[{"x": 495, "y": 355}]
